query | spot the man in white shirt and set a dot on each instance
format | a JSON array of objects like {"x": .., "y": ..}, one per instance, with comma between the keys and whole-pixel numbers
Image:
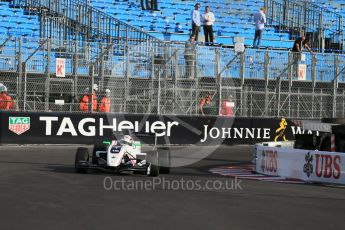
[
  {"x": 260, "y": 20},
  {"x": 196, "y": 21},
  {"x": 208, "y": 20}
]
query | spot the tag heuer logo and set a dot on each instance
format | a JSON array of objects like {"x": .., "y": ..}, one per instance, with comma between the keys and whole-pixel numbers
[{"x": 19, "y": 125}]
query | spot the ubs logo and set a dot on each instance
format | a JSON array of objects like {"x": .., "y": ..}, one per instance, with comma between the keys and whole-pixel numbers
[{"x": 308, "y": 167}]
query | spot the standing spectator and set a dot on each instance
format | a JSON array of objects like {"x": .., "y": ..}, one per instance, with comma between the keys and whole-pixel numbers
[
  {"x": 196, "y": 21},
  {"x": 298, "y": 46},
  {"x": 208, "y": 21},
  {"x": 154, "y": 5},
  {"x": 189, "y": 56},
  {"x": 260, "y": 20},
  {"x": 104, "y": 105},
  {"x": 6, "y": 102},
  {"x": 149, "y": 5},
  {"x": 144, "y": 4}
]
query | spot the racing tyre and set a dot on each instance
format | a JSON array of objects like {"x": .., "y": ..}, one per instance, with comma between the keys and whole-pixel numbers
[
  {"x": 164, "y": 160},
  {"x": 152, "y": 160},
  {"x": 81, "y": 160}
]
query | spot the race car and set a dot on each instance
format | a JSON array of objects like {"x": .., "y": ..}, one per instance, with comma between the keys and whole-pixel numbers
[{"x": 122, "y": 154}]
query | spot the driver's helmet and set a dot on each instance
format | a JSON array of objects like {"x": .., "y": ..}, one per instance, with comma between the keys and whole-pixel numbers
[{"x": 127, "y": 139}]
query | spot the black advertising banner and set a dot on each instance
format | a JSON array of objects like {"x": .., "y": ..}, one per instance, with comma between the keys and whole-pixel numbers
[{"x": 67, "y": 128}]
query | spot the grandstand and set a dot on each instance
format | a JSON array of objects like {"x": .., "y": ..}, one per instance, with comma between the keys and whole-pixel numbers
[{"x": 140, "y": 57}]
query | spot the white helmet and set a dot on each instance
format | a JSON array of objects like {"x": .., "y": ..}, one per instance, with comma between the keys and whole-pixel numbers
[
  {"x": 107, "y": 90},
  {"x": 3, "y": 88},
  {"x": 127, "y": 139},
  {"x": 86, "y": 90},
  {"x": 95, "y": 87}
]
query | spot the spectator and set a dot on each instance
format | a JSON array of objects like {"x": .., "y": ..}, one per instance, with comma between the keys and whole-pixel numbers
[
  {"x": 154, "y": 5},
  {"x": 204, "y": 101},
  {"x": 6, "y": 102},
  {"x": 149, "y": 5},
  {"x": 300, "y": 43},
  {"x": 196, "y": 21},
  {"x": 105, "y": 103},
  {"x": 208, "y": 21},
  {"x": 85, "y": 100},
  {"x": 298, "y": 46},
  {"x": 189, "y": 56},
  {"x": 144, "y": 4},
  {"x": 260, "y": 20}
]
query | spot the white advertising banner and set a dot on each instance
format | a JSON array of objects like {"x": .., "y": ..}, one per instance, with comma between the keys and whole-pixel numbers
[
  {"x": 60, "y": 67},
  {"x": 306, "y": 165},
  {"x": 302, "y": 72}
]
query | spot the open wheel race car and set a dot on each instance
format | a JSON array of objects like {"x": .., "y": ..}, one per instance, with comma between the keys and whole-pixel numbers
[{"x": 122, "y": 154}]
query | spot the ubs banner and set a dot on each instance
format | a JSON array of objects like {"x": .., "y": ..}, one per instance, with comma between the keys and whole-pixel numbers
[{"x": 63, "y": 128}]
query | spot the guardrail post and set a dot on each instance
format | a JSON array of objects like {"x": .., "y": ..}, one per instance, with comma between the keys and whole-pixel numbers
[
  {"x": 128, "y": 75},
  {"x": 335, "y": 84},
  {"x": 266, "y": 75},
  {"x": 75, "y": 71},
  {"x": 25, "y": 85},
  {"x": 219, "y": 78},
  {"x": 159, "y": 94},
  {"x": 313, "y": 76},
  {"x": 91, "y": 74},
  {"x": 321, "y": 104},
  {"x": 242, "y": 75},
  {"x": 176, "y": 75},
  {"x": 278, "y": 88},
  {"x": 101, "y": 67},
  {"x": 166, "y": 58},
  {"x": 176, "y": 69},
  {"x": 20, "y": 75},
  {"x": 47, "y": 86}
]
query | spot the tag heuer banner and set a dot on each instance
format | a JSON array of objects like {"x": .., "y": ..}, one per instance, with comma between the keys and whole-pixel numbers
[
  {"x": 19, "y": 125},
  {"x": 66, "y": 128}
]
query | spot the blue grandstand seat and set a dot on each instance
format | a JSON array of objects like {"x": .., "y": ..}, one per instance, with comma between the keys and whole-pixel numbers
[{"x": 233, "y": 18}]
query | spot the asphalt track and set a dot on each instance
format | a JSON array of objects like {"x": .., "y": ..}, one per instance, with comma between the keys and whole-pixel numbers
[{"x": 39, "y": 190}]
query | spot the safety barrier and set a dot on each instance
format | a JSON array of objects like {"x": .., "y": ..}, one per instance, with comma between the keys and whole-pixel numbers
[
  {"x": 68, "y": 128},
  {"x": 305, "y": 165}
]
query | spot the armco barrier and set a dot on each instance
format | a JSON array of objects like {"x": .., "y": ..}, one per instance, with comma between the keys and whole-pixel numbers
[
  {"x": 306, "y": 165},
  {"x": 67, "y": 128}
]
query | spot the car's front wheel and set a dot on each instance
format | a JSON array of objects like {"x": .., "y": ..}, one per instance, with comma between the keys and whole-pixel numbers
[{"x": 81, "y": 163}]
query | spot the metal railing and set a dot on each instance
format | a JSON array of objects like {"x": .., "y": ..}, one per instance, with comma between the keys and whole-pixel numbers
[
  {"x": 165, "y": 80},
  {"x": 71, "y": 21},
  {"x": 323, "y": 27}
]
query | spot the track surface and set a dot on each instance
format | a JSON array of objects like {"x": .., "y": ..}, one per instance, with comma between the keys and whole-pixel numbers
[{"x": 39, "y": 190}]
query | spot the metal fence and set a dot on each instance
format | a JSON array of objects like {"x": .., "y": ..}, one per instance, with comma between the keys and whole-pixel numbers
[
  {"x": 169, "y": 80},
  {"x": 75, "y": 21},
  {"x": 323, "y": 27}
]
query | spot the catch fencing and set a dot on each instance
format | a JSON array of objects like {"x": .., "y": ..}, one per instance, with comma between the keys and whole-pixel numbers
[{"x": 170, "y": 79}]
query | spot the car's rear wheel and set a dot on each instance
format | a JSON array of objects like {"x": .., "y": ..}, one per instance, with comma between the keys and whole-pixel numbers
[
  {"x": 152, "y": 160},
  {"x": 81, "y": 160},
  {"x": 164, "y": 160}
]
